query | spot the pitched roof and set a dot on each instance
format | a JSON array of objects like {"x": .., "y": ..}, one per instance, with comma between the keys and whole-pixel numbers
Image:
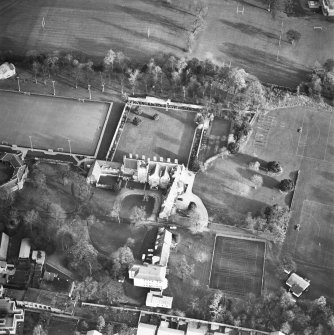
[{"x": 297, "y": 284}]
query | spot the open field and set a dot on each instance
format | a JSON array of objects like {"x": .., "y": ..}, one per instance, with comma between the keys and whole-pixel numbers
[
  {"x": 237, "y": 266},
  {"x": 169, "y": 137},
  {"x": 51, "y": 123},
  {"x": 93, "y": 26},
  {"x": 250, "y": 40},
  {"x": 312, "y": 153}
]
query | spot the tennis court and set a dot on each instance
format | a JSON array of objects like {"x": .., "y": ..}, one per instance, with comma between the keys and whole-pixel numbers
[
  {"x": 237, "y": 266},
  {"x": 59, "y": 124}
]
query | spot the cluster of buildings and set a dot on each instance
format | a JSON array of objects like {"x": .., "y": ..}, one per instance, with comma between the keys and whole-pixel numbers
[{"x": 175, "y": 178}]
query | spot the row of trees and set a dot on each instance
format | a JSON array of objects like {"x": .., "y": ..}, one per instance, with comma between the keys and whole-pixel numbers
[
  {"x": 273, "y": 312},
  {"x": 164, "y": 75}
]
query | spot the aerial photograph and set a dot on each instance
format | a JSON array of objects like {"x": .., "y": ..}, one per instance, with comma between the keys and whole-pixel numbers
[{"x": 167, "y": 167}]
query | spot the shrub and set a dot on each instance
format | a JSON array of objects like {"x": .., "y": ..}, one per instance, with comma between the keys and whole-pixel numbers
[
  {"x": 257, "y": 180},
  {"x": 254, "y": 166},
  {"x": 233, "y": 147},
  {"x": 274, "y": 167},
  {"x": 293, "y": 36},
  {"x": 286, "y": 185}
]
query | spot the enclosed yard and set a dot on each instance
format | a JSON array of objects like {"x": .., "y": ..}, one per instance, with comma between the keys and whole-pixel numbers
[
  {"x": 237, "y": 266},
  {"x": 43, "y": 122},
  {"x": 169, "y": 137}
]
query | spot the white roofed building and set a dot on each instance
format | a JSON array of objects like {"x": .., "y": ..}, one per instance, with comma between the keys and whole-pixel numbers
[
  {"x": 156, "y": 299},
  {"x": 4, "y": 240},
  {"x": 149, "y": 275},
  {"x": 146, "y": 329},
  {"x": 25, "y": 248},
  {"x": 169, "y": 331}
]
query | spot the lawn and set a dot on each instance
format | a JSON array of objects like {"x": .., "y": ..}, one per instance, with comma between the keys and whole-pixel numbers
[
  {"x": 93, "y": 26},
  {"x": 237, "y": 266},
  {"x": 169, "y": 137},
  {"x": 52, "y": 123}
]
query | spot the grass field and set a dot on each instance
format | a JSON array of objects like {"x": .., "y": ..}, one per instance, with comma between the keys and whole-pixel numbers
[
  {"x": 312, "y": 153},
  {"x": 237, "y": 266},
  {"x": 169, "y": 137},
  {"x": 51, "y": 123},
  {"x": 93, "y": 26},
  {"x": 250, "y": 40}
]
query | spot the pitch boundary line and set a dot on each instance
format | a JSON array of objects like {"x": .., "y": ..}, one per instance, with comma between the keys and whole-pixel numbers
[
  {"x": 300, "y": 134},
  {"x": 329, "y": 130}
]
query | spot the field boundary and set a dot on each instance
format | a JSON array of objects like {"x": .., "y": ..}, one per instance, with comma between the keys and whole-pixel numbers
[{"x": 213, "y": 255}]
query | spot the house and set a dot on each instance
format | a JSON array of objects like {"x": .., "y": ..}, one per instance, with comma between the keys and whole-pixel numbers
[
  {"x": 3, "y": 246},
  {"x": 146, "y": 329},
  {"x": 10, "y": 315},
  {"x": 156, "y": 299},
  {"x": 20, "y": 171},
  {"x": 25, "y": 249},
  {"x": 297, "y": 285},
  {"x": 149, "y": 275}
]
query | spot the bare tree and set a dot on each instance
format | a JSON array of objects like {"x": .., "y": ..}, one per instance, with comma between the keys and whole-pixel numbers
[{"x": 133, "y": 78}]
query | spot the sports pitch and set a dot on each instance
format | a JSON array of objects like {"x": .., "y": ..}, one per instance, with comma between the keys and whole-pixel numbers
[
  {"x": 312, "y": 153},
  {"x": 169, "y": 137},
  {"x": 43, "y": 122},
  {"x": 237, "y": 266}
]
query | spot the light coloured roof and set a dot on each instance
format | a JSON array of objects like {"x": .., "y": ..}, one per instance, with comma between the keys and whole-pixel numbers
[
  {"x": 169, "y": 331},
  {"x": 154, "y": 299},
  {"x": 165, "y": 242},
  {"x": 146, "y": 329},
  {"x": 25, "y": 248},
  {"x": 195, "y": 331},
  {"x": 149, "y": 272}
]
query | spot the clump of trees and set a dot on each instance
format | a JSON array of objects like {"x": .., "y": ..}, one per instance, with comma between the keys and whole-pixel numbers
[
  {"x": 322, "y": 80},
  {"x": 273, "y": 222}
]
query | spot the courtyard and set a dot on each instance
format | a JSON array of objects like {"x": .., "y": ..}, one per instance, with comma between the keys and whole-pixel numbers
[{"x": 169, "y": 137}]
